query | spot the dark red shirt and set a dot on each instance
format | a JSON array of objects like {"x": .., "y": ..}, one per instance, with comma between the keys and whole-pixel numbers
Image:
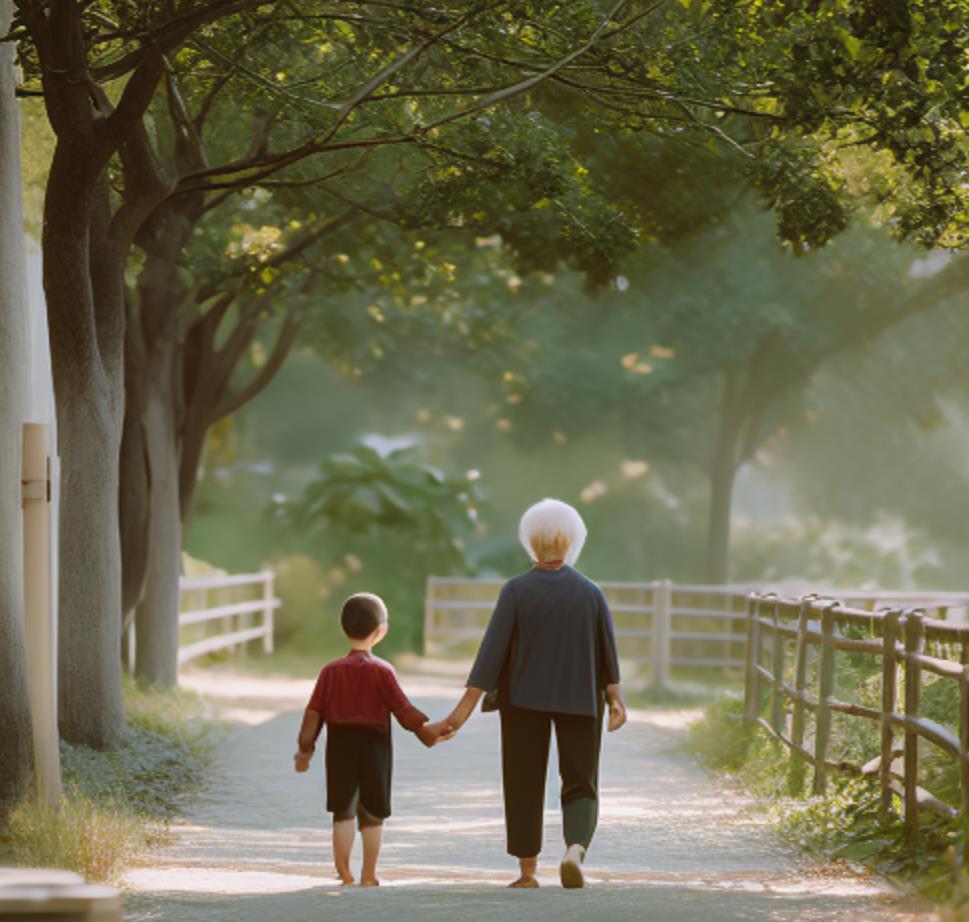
[{"x": 363, "y": 690}]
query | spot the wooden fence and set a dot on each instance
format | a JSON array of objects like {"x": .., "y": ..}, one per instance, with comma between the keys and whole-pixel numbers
[
  {"x": 660, "y": 626},
  {"x": 801, "y": 709},
  {"x": 220, "y": 612},
  {"x": 239, "y": 607}
]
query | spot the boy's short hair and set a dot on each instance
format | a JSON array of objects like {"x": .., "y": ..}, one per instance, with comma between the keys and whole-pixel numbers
[{"x": 362, "y": 614}]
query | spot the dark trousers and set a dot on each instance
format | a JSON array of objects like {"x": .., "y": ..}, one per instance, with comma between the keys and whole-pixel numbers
[
  {"x": 525, "y": 737},
  {"x": 359, "y": 765}
]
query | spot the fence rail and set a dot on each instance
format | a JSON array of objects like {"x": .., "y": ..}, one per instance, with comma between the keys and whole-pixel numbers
[
  {"x": 660, "y": 626},
  {"x": 896, "y": 637},
  {"x": 220, "y": 612},
  {"x": 239, "y": 621}
]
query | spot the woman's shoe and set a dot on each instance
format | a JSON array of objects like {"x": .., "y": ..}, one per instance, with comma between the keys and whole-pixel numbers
[{"x": 570, "y": 870}]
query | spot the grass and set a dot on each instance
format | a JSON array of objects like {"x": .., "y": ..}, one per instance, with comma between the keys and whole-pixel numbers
[
  {"x": 90, "y": 837},
  {"x": 115, "y": 804},
  {"x": 842, "y": 824}
]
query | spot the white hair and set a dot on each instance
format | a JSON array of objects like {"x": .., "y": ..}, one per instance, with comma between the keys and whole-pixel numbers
[{"x": 552, "y": 525}]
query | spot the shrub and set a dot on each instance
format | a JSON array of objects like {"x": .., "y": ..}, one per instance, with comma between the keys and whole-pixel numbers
[
  {"x": 722, "y": 737},
  {"x": 115, "y": 802},
  {"x": 83, "y": 835}
]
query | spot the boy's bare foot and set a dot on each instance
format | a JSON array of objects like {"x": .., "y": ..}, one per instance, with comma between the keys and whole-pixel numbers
[
  {"x": 523, "y": 883},
  {"x": 369, "y": 882}
]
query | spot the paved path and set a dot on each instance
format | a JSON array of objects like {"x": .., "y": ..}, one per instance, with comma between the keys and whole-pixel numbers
[{"x": 671, "y": 845}]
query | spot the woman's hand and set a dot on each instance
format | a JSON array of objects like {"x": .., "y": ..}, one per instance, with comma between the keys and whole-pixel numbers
[
  {"x": 463, "y": 710},
  {"x": 302, "y": 760},
  {"x": 617, "y": 707},
  {"x": 432, "y": 734}
]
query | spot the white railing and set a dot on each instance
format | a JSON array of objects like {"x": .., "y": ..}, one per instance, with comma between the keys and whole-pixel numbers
[
  {"x": 208, "y": 599},
  {"x": 659, "y": 625}
]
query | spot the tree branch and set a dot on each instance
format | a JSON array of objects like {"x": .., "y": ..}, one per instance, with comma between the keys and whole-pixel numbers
[
  {"x": 171, "y": 34},
  {"x": 284, "y": 342}
]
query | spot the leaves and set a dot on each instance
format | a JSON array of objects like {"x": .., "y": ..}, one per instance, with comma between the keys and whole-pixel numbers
[{"x": 369, "y": 492}]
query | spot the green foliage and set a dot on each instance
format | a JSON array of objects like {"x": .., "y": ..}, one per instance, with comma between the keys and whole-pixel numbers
[
  {"x": 845, "y": 823},
  {"x": 91, "y": 837},
  {"x": 115, "y": 802},
  {"x": 381, "y": 521},
  {"x": 889, "y": 79},
  {"x": 365, "y": 491},
  {"x": 161, "y": 762},
  {"x": 722, "y": 738}
]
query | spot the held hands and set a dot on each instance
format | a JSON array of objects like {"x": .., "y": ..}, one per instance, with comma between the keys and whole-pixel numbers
[
  {"x": 302, "y": 760},
  {"x": 432, "y": 734}
]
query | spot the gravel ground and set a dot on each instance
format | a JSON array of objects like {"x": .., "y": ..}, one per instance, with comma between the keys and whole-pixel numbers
[{"x": 672, "y": 844}]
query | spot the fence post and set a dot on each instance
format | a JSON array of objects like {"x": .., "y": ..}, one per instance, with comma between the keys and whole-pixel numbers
[
  {"x": 795, "y": 775},
  {"x": 822, "y": 732},
  {"x": 662, "y": 603},
  {"x": 890, "y": 631},
  {"x": 268, "y": 597},
  {"x": 964, "y": 757},
  {"x": 777, "y": 670},
  {"x": 752, "y": 691},
  {"x": 914, "y": 641}
]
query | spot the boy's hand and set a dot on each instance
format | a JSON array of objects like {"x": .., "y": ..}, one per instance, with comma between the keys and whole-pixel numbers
[
  {"x": 431, "y": 734},
  {"x": 302, "y": 760}
]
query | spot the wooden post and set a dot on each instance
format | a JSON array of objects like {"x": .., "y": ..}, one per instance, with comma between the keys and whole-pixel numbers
[
  {"x": 662, "y": 600},
  {"x": 268, "y": 597},
  {"x": 890, "y": 632},
  {"x": 39, "y": 615},
  {"x": 752, "y": 692},
  {"x": 914, "y": 641},
  {"x": 964, "y": 759},
  {"x": 795, "y": 773},
  {"x": 777, "y": 664},
  {"x": 822, "y": 732}
]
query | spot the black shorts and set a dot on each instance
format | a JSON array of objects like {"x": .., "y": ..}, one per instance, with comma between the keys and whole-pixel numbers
[{"x": 359, "y": 764}]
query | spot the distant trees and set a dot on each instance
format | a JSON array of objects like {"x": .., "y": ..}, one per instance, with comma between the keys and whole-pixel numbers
[{"x": 712, "y": 347}]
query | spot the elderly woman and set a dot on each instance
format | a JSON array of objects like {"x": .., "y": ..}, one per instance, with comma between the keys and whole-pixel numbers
[{"x": 548, "y": 658}]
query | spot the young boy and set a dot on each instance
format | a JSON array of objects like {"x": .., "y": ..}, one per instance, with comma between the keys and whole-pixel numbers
[{"x": 355, "y": 697}]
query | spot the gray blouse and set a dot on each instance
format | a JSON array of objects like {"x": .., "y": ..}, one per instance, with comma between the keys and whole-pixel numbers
[{"x": 564, "y": 648}]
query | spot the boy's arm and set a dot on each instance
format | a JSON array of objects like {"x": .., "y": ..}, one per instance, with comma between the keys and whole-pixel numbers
[
  {"x": 312, "y": 724},
  {"x": 309, "y": 730},
  {"x": 409, "y": 717}
]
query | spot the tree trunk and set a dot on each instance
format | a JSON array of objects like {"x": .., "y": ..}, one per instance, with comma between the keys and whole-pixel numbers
[
  {"x": 88, "y": 387},
  {"x": 134, "y": 507},
  {"x": 91, "y": 709},
  {"x": 156, "y": 650},
  {"x": 16, "y": 750},
  {"x": 723, "y": 471},
  {"x": 193, "y": 446},
  {"x": 722, "y": 478}
]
